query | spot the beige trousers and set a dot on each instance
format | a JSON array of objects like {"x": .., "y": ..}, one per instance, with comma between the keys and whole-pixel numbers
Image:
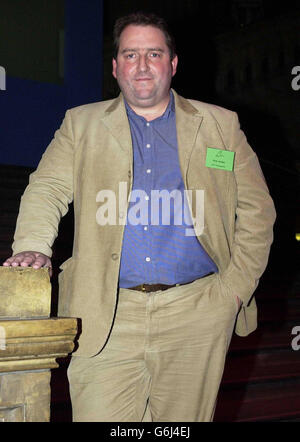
[{"x": 164, "y": 359}]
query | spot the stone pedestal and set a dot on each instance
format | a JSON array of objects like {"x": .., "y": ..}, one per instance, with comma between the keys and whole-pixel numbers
[{"x": 30, "y": 342}]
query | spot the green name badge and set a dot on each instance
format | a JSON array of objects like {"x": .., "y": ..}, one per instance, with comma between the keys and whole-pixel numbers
[{"x": 219, "y": 159}]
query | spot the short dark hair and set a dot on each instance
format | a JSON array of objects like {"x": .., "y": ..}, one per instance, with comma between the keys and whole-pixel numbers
[{"x": 143, "y": 19}]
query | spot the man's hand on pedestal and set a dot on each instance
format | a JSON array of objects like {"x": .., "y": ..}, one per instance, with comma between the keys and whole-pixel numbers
[{"x": 29, "y": 259}]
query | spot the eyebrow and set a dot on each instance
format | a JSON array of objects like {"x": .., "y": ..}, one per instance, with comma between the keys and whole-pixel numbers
[{"x": 138, "y": 49}]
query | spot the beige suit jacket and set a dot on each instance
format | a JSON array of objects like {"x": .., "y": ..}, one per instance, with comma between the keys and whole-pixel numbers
[{"x": 92, "y": 151}]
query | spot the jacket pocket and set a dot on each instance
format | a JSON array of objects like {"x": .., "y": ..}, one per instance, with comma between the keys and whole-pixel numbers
[{"x": 227, "y": 294}]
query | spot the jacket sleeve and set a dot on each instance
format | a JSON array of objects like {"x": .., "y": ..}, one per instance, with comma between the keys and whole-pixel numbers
[
  {"x": 48, "y": 194},
  {"x": 255, "y": 216}
]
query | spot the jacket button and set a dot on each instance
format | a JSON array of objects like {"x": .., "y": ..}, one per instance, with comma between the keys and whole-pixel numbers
[
  {"x": 114, "y": 256},
  {"x": 129, "y": 173}
]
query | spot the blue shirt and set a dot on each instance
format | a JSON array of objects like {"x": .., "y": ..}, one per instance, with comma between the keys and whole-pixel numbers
[{"x": 156, "y": 249}]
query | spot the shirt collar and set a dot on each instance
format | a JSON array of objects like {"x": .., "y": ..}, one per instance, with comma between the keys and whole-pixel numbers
[{"x": 170, "y": 110}]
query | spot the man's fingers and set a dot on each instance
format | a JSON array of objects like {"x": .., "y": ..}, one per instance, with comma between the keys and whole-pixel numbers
[
  {"x": 23, "y": 259},
  {"x": 7, "y": 263},
  {"x": 239, "y": 301},
  {"x": 40, "y": 261},
  {"x": 26, "y": 259},
  {"x": 14, "y": 261}
]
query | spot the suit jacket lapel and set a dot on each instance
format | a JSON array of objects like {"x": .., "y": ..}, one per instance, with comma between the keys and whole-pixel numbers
[
  {"x": 116, "y": 121},
  {"x": 188, "y": 122}
]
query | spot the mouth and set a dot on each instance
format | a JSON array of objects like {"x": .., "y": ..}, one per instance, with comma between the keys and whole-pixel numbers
[{"x": 143, "y": 79}]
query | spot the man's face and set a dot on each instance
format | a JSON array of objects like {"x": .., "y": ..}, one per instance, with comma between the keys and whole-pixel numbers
[{"x": 143, "y": 67}]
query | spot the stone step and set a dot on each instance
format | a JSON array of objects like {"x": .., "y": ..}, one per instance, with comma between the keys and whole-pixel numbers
[
  {"x": 262, "y": 365},
  {"x": 279, "y": 311},
  {"x": 259, "y": 402}
]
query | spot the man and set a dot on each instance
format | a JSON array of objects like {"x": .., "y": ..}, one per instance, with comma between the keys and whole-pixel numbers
[{"x": 158, "y": 304}]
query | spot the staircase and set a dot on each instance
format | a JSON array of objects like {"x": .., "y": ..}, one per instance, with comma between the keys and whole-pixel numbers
[{"x": 261, "y": 381}]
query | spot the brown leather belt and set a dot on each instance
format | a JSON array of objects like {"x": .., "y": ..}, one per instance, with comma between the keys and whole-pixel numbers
[
  {"x": 152, "y": 287},
  {"x": 156, "y": 287}
]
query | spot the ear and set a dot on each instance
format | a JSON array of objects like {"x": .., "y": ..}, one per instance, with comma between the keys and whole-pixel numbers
[
  {"x": 174, "y": 63},
  {"x": 114, "y": 67}
]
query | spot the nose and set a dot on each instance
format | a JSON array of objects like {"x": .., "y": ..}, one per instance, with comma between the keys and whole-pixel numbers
[{"x": 143, "y": 64}]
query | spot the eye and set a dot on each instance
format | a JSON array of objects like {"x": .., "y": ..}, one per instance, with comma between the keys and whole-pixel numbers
[
  {"x": 130, "y": 56},
  {"x": 155, "y": 55}
]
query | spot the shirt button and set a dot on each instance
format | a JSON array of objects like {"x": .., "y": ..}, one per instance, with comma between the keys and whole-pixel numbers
[
  {"x": 148, "y": 146},
  {"x": 145, "y": 228},
  {"x": 148, "y": 170},
  {"x": 148, "y": 259},
  {"x": 148, "y": 124},
  {"x": 114, "y": 256},
  {"x": 147, "y": 198}
]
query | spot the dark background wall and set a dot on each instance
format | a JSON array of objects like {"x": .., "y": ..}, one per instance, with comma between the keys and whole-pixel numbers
[{"x": 52, "y": 54}]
